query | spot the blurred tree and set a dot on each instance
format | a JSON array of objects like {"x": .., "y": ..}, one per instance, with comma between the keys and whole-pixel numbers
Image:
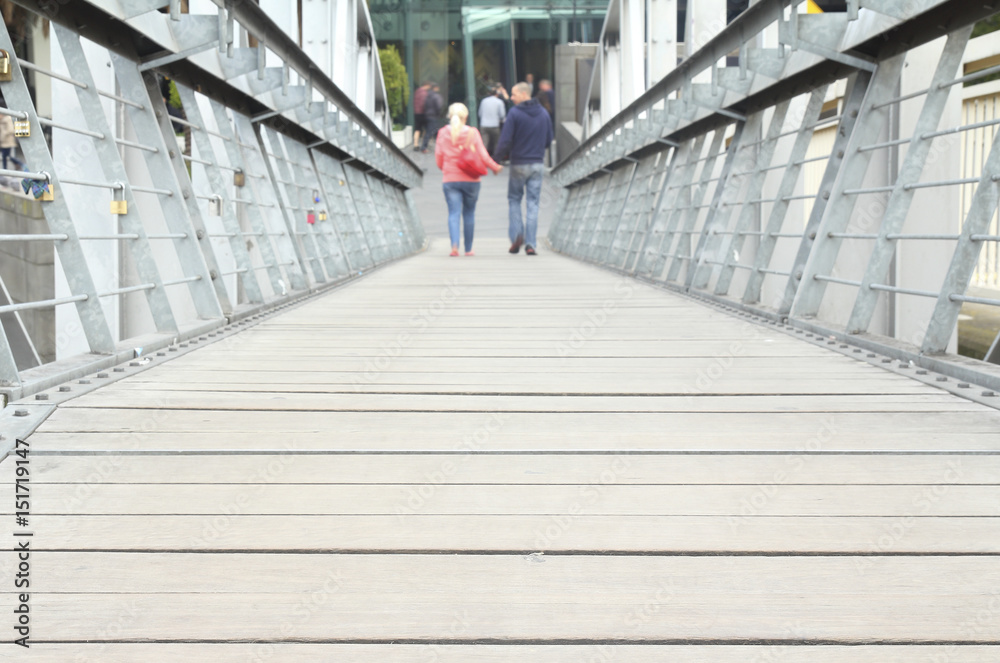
[{"x": 397, "y": 85}]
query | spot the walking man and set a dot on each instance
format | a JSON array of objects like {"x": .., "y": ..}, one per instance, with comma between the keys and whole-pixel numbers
[
  {"x": 525, "y": 136},
  {"x": 492, "y": 112},
  {"x": 433, "y": 106}
]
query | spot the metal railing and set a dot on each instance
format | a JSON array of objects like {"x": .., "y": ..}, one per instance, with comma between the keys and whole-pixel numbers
[
  {"x": 287, "y": 187},
  {"x": 699, "y": 185}
]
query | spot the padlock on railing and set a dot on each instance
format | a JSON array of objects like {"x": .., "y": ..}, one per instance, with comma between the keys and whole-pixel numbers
[
  {"x": 6, "y": 73},
  {"x": 49, "y": 193},
  {"x": 22, "y": 128},
  {"x": 215, "y": 205},
  {"x": 118, "y": 204},
  {"x": 239, "y": 178},
  {"x": 322, "y": 215},
  {"x": 311, "y": 217}
]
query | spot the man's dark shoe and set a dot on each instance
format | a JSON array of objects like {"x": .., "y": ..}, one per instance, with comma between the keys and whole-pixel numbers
[
  {"x": 516, "y": 246},
  {"x": 530, "y": 250}
]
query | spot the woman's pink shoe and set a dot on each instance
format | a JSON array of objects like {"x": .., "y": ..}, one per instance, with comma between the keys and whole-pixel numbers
[
  {"x": 470, "y": 253},
  {"x": 454, "y": 253}
]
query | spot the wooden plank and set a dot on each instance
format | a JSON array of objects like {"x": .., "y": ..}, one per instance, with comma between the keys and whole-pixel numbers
[
  {"x": 745, "y": 531},
  {"x": 513, "y": 384},
  {"x": 580, "y": 579},
  {"x": 600, "y": 497},
  {"x": 479, "y": 469},
  {"x": 450, "y": 653},
  {"x": 401, "y": 597},
  {"x": 163, "y": 400}
]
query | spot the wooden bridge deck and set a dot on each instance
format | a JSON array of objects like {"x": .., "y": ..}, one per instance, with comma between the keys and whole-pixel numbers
[{"x": 505, "y": 458}]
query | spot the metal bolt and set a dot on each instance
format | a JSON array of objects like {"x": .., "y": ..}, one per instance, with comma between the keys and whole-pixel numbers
[
  {"x": 20, "y": 413},
  {"x": 186, "y": 193},
  {"x": 102, "y": 375},
  {"x": 64, "y": 388},
  {"x": 843, "y": 346},
  {"x": 940, "y": 378},
  {"x": 172, "y": 349},
  {"x": 963, "y": 385},
  {"x": 904, "y": 365},
  {"x": 119, "y": 369},
  {"x": 887, "y": 361},
  {"x": 812, "y": 235},
  {"x": 184, "y": 345},
  {"x": 988, "y": 393},
  {"x": 41, "y": 397},
  {"x": 84, "y": 382},
  {"x": 854, "y": 113},
  {"x": 200, "y": 234},
  {"x": 870, "y": 355},
  {"x": 921, "y": 372},
  {"x": 798, "y": 275},
  {"x": 831, "y": 343},
  {"x": 134, "y": 363},
  {"x": 857, "y": 350},
  {"x": 161, "y": 354}
]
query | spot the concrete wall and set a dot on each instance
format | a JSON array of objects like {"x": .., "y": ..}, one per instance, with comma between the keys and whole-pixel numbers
[{"x": 571, "y": 90}]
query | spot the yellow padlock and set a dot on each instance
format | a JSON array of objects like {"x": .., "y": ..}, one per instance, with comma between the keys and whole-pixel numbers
[
  {"x": 118, "y": 206},
  {"x": 322, "y": 215},
  {"x": 22, "y": 128},
  {"x": 5, "y": 71},
  {"x": 50, "y": 195},
  {"x": 239, "y": 178}
]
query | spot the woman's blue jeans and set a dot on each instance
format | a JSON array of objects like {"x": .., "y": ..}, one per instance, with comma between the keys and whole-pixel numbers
[{"x": 461, "y": 198}]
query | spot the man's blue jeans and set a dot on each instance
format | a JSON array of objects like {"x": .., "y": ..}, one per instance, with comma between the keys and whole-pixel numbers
[
  {"x": 461, "y": 198},
  {"x": 522, "y": 177}
]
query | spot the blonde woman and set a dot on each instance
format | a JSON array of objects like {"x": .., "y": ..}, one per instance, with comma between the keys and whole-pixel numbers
[{"x": 461, "y": 190}]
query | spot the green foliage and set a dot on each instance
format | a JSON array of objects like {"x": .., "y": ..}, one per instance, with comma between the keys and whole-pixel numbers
[
  {"x": 175, "y": 97},
  {"x": 397, "y": 85},
  {"x": 986, "y": 26}
]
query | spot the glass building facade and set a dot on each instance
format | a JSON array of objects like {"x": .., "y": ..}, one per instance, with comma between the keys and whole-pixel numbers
[{"x": 463, "y": 46}]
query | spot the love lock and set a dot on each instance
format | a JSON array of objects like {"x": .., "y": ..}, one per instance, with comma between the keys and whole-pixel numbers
[
  {"x": 118, "y": 205},
  {"x": 322, "y": 215},
  {"x": 215, "y": 205},
  {"x": 310, "y": 217},
  {"x": 22, "y": 128},
  {"x": 6, "y": 74}
]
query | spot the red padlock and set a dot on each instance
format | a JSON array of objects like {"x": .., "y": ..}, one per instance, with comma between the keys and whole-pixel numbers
[{"x": 311, "y": 217}]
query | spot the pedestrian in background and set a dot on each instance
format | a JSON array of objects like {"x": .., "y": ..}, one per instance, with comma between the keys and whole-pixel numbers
[
  {"x": 432, "y": 111},
  {"x": 547, "y": 98},
  {"x": 492, "y": 111},
  {"x": 526, "y": 134},
  {"x": 7, "y": 140},
  {"x": 461, "y": 190},
  {"x": 419, "y": 119}
]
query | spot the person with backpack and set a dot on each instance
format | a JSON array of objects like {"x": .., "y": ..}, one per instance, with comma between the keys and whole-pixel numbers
[{"x": 419, "y": 119}]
